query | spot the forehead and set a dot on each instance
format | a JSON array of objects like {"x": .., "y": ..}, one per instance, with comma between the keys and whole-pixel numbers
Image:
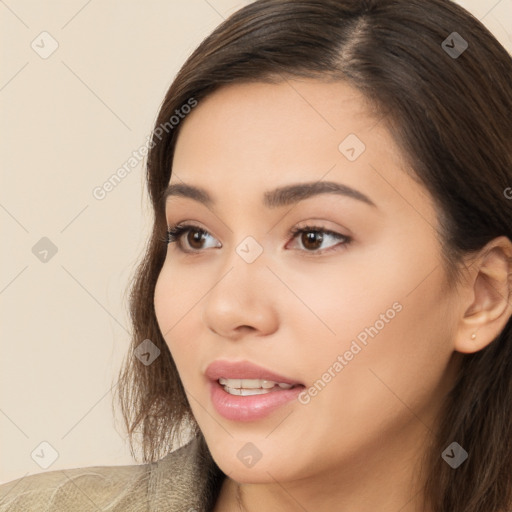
[
  {"x": 289, "y": 125},
  {"x": 245, "y": 139},
  {"x": 289, "y": 109}
]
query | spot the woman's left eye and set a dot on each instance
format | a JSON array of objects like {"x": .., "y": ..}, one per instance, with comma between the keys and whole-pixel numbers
[{"x": 311, "y": 239}]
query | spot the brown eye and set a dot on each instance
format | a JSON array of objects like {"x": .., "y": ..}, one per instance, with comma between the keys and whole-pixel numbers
[
  {"x": 312, "y": 240},
  {"x": 195, "y": 238}
]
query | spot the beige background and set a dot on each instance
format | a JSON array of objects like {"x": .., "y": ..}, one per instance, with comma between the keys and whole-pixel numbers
[{"x": 68, "y": 122}]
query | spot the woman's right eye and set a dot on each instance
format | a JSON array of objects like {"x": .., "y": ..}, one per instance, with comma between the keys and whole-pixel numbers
[{"x": 195, "y": 235}]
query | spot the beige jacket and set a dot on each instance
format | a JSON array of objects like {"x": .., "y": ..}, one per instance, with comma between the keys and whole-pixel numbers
[{"x": 185, "y": 480}]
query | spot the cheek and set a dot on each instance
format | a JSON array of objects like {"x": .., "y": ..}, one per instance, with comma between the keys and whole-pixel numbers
[
  {"x": 393, "y": 378},
  {"x": 175, "y": 299},
  {"x": 385, "y": 313},
  {"x": 336, "y": 302},
  {"x": 402, "y": 365}
]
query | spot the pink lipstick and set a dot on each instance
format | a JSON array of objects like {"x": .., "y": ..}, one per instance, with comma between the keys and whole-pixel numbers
[{"x": 243, "y": 391}]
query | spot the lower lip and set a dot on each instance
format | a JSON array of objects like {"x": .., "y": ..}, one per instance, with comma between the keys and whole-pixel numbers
[{"x": 252, "y": 407}]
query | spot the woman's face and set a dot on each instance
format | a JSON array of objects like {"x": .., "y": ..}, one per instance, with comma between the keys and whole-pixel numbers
[{"x": 356, "y": 312}]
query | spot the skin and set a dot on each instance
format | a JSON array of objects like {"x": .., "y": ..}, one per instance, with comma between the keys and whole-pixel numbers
[{"x": 357, "y": 444}]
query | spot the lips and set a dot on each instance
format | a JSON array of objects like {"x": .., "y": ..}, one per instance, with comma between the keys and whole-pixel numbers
[
  {"x": 244, "y": 392},
  {"x": 244, "y": 370}
]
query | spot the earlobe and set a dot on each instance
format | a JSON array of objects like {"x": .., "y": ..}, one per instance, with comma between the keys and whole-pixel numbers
[{"x": 490, "y": 293}]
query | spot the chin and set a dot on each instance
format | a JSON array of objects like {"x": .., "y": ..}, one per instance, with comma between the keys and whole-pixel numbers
[{"x": 255, "y": 461}]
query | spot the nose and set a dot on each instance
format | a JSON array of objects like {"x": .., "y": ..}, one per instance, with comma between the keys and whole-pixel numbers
[{"x": 243, "y": 300}]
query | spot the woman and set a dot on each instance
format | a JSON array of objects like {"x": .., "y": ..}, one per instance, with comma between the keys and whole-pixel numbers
[{"x": 325, "y": 300}]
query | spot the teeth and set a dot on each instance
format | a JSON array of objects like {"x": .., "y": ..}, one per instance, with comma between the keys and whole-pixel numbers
[
  {"x": 246, "y": 392},
  {"x": 251, "y": 386}
]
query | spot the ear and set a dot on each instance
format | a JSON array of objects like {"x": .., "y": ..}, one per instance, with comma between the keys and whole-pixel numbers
[{"x": 486, "y": 297}]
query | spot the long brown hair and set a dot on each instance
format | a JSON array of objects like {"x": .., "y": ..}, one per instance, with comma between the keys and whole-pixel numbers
[{"x": 448, "y": 107}]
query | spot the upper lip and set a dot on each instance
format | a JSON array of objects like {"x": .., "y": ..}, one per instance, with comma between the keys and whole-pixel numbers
[{"x": 244, "y": 370}]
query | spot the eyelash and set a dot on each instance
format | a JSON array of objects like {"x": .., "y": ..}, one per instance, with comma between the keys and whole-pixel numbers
[{"x": 175, "y": 233}]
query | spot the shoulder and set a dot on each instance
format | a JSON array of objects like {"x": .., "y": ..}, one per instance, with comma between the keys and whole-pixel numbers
[{"x": 168, "y": 484}]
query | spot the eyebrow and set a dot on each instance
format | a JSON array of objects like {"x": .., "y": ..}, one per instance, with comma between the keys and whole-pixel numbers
[{"x": 281, "y": 196}]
